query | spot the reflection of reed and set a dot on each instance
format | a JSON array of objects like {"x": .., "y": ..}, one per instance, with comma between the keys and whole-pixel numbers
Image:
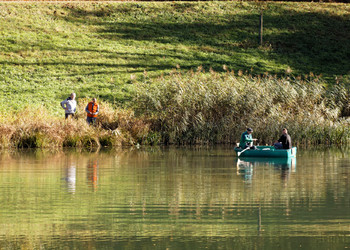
[
  {"x": 259, "y": 219},
  {"x": 204, "y": 181},
  {"x": 157, "y": 193},
  {"x": 200, "y": 179}
]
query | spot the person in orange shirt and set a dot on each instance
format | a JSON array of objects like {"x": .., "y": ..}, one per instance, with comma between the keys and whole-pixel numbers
[{"x": 92, "y": 110}]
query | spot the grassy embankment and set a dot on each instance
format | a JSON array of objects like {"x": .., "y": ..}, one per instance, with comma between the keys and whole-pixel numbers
[{"x": 114, "y": 50}]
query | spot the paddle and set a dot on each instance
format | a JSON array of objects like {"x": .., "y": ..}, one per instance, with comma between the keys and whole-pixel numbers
[{"x": 239, "y": 153}]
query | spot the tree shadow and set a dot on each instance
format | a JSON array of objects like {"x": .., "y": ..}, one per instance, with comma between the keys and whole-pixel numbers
[{"x": 304, "y": 41}]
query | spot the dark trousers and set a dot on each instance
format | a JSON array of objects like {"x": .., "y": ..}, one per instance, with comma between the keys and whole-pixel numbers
[
  {"x": 91, "y": 120},
  {"x": 278, "y": 145},
  {"x": 69, "y": 114}
]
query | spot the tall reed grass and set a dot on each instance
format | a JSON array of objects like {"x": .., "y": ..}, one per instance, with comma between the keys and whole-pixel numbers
[
  {"x": 196, "y": 108},
  {"x": 36, "y": 128},
  {"x": 200, "y": 107}
]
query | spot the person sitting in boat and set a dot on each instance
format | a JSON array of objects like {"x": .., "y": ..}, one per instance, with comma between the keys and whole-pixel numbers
[
  {"x": 284, "y": 142},
  {"x": 247, "y": 139}
]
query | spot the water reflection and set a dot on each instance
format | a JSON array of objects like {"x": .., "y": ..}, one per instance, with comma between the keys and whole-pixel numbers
[
  {"x": 245, "y": 169},
  {"x": 70, "y": 177},
  {"x": 174, "y": 198},
  {"x": 92, "y": 167},
  {"x": 245, "y": 166}
]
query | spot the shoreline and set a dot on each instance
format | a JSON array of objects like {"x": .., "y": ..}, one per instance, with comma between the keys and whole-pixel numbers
[{"x": 194, "y": 109}]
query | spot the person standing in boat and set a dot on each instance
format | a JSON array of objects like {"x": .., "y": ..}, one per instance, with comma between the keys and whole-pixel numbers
[
  {"x": 247, "y": 139},
  {"x": 285, "y": 141}
]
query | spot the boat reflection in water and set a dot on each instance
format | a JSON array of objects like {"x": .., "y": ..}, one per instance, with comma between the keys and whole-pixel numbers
[{"x": 246, "y": 166}]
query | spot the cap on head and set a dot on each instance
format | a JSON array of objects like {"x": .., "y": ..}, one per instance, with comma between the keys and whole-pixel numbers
[{"x": 249, "y": 129}]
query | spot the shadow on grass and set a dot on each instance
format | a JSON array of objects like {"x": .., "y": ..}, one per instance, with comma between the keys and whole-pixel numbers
[
  {"x": 163, "y": 37},
  {"x": 305, "y": 41}
]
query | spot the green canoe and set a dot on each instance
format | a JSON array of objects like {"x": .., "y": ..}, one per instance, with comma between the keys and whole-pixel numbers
[{"x": 267, "y": 151}]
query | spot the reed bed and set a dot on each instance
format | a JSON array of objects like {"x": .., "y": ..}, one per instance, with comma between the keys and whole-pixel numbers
[
  {"x": 196, "y": 108},
  {"x": 199, "y": 107},
  {"x": 36, "y": 128}
]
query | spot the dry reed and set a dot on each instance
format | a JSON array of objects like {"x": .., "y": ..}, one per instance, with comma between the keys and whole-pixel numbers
[
  {"x": 195, "y": 108},
  {"x": 199, "y": 107},
  {"x": 36, "y": 128}
]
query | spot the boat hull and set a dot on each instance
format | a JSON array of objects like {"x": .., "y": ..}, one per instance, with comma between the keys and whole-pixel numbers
[{"x": 267, "y": 152}]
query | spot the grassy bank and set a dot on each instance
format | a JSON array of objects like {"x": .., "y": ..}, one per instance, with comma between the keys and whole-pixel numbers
[
  {"x": 197, "y": 108},
  {"x": 48, "y": 50},
  {"x": 125, "y": 55}
]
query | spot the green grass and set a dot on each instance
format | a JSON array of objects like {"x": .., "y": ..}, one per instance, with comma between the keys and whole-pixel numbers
[{"x": 48, "y": 50}]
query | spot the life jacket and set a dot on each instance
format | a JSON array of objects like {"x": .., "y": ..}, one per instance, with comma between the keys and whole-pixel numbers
[{"x": 92, "y": 107}]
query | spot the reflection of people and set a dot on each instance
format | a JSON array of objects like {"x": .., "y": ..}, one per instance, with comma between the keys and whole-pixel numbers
[
  {"x": 92, "y": 174},
  {"x": 69, "y": 105},
  {"x": 245, "y": 169},
  {"x": 71, "y": 178},
  {"x": 92, "y": 110},
  {"x": 247, "y": 139},
  {"x": 284, "y": 142},
  {"x": 285, "y": 170}
]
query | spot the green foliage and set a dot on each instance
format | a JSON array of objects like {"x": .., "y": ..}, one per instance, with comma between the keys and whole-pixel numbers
[
  {"x": 105, "y": 50},
  {"x": 99, "y": 49}
]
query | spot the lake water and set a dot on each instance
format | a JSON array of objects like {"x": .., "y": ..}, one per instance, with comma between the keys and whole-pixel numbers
[{"x": 174, "y": 198}]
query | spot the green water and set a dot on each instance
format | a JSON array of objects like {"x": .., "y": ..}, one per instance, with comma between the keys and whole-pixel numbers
[{"x": 170, "y": 198}]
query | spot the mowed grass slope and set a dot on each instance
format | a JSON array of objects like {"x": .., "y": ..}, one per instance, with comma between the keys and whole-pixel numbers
[{"x": 48, "y": 50}]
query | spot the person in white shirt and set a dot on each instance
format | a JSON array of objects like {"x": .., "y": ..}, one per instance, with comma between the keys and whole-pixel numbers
[{"x": 69, "y": 105}]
